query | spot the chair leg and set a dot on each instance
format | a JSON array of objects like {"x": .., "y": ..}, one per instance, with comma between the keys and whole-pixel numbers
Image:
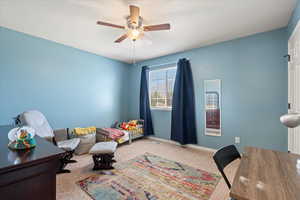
[
  {"x": 103, "y": 161},
  {"x": 66, "y": 159},
  {"x": 69, "y": 155},
  {"x": 64, "y": 171},
  {"x": 72, "y": 161},
  {"x": 62, "y": 167}
]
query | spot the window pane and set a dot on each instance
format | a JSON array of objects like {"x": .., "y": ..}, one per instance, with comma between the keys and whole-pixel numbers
[
  {"x": 161, "y": 102},
  {"x": 157, "y": 74},
  {"x": 161, "y": 87},
  {"x": 172, "y": 73},
  {"x": 153, "y": 89},
  {"x": 169, "y": 102},
  {"x": 170, "y": 88},
  {"x": 153, "y": 102}
]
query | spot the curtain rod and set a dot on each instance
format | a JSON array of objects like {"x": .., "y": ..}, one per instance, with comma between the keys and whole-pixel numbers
[{"x": 168, "y": 63}]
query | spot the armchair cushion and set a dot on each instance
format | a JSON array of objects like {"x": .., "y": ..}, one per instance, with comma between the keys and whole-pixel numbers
[
  {"x": 69, "y": 145},
  {"x": 104, "y": 148},
  {"x": 60, "y": 135},
  {"x": 86, "y": 143}
]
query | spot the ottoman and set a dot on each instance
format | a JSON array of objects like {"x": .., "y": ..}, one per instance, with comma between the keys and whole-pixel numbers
[{"x": 103, "y": 154}]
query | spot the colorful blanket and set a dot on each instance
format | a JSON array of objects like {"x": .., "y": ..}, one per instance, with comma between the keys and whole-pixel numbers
[{"x": 112, "y": 133}]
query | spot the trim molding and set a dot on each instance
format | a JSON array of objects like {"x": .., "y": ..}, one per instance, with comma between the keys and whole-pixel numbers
[
  {"x": 294, "y": 31},
  {"x": 192, "y": 146}
]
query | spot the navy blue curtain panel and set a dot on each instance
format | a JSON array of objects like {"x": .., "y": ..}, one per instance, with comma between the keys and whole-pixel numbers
[
  {"x": 183, "y": 128},
  {"x": 145, "y": 112}
]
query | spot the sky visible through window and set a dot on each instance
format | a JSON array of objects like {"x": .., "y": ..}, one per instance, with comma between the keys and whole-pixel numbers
[{"x": 161, "y": 87}]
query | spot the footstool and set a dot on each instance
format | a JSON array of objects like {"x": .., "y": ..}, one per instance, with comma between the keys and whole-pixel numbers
[{"x": 103, "y": 154}]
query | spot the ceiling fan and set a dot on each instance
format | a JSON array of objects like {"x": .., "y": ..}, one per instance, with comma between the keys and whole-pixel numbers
[{"x": 134, "y": 27}]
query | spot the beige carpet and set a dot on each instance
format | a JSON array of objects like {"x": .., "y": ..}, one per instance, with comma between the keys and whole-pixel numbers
[{"x": 66, "y": 188}]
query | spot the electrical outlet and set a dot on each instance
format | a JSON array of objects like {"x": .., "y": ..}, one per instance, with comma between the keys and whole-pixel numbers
[{"x": 237, "y": 140}]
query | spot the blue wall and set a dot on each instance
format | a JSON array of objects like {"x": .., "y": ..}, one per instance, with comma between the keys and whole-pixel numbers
[
  {"x": 294, "y": 19},
  {"x": 71, "y": 87},
  {"x": 254, "y": 90},
  {"x": 76, "y": 88}
]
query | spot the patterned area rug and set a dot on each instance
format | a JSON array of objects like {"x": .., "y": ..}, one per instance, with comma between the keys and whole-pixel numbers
[{"x": 149, "y": 177}]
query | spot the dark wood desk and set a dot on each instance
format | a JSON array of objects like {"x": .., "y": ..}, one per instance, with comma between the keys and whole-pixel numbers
[
  {"x": 29, "y": 174},
  {"x": 266, "y": 175}
]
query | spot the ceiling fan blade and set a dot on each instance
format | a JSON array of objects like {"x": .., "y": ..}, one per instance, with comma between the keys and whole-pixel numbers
[
  {"x": 134, "y": 14},
  {"x": 120, "y": 39},
  {"x": 158, "y": 27},
  {"x": 109, "y": 24}
]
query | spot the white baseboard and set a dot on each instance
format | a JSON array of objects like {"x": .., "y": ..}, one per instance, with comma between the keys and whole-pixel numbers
[{"x": 192, "y": 146}]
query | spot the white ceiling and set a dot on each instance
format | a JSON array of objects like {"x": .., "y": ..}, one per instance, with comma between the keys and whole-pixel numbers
[{"x": 194, "y": 23}]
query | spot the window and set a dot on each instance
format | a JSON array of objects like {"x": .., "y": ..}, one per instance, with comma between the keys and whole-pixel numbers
[{"x": 161, "y": 82}]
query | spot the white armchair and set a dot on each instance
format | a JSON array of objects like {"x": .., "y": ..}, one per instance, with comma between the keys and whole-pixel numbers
[{"x": 59, "y": 137}]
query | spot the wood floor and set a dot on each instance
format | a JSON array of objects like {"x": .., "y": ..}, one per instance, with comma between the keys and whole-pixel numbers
[{"x": 67, "y": 189}]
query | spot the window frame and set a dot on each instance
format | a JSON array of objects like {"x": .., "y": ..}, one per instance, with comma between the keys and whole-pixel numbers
[{"x": 162, "y": 108}]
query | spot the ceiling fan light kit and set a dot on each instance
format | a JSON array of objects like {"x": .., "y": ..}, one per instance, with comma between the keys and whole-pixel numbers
[{"x": 134, "y": 26}]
